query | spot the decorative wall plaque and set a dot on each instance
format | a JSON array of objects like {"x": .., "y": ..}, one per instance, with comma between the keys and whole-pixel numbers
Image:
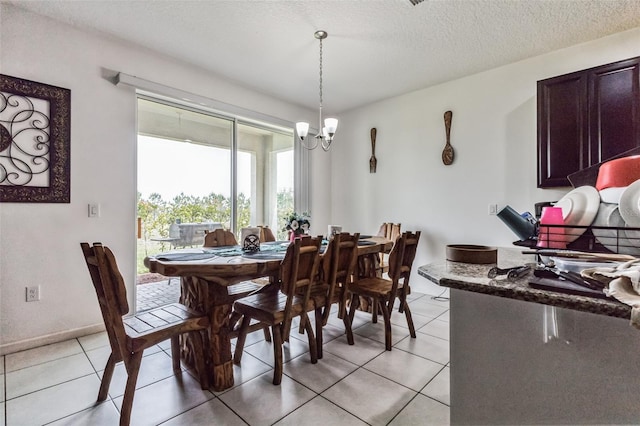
[{"x": 35, "y": 142}]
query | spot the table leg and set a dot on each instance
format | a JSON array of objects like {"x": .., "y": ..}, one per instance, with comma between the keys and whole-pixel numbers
[
  {"x": 211, "y": 297},
  {"x": 221, "y": 359}
]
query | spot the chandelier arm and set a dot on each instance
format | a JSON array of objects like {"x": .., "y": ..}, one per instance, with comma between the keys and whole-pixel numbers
[{"x": 309, "y": 147}]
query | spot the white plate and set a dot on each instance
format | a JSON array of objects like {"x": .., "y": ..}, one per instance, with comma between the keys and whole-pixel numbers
[
  {"x": 618, "y": 241},
  {"x": 630, "y": 204},
  {"x": 612, "y": 195},
  {"x": 579, "y": 207}
]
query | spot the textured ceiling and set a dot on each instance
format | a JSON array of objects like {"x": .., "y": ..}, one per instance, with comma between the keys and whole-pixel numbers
[{"x": 376, "y": 48}]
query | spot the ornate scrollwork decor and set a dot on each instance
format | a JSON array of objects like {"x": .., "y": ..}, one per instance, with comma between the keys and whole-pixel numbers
[{"x": 35, "y": 142}]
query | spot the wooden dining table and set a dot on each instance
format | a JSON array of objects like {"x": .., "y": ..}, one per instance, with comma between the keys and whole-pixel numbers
[{"x": 207, "y": 278}]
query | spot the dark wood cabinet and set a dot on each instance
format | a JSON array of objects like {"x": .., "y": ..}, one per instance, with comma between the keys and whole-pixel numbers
[{"x": 586, "y": 117}]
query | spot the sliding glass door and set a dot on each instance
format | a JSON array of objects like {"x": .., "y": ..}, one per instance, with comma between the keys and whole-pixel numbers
[{"x": 199, "y": 170}]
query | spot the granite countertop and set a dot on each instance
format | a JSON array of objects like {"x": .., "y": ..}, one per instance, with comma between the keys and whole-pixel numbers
[{"x": 472, "y": 277}]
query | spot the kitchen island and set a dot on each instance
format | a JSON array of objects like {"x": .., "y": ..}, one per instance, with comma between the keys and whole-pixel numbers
[{"x": 521, "y": 355}]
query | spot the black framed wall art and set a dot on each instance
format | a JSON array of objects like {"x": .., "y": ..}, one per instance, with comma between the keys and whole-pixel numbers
[{"x": 35, "y": 142}]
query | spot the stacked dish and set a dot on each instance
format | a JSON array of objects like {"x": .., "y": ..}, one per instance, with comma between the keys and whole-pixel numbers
[{"x": 579, "y": 208}]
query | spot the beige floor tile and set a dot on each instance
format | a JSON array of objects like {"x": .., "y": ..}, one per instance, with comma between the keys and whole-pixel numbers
[
  {"x": 404, "y": 368},
  {"x": 154, "y": 368},
  {"x": 437, "y": 328},
  {"x": 400, "y": 319},
  {"x": 30, "y": 379},
  {"x": 166, "y": 399},
  {"x": 362, "y": 351},
  {"x": 320, "y": 412},
  {"x": 360, "y": 318},
  {"x": 426, "y": 346},
  {"x": 2, "y": 413},
  {"x": 1, "y": 388},
  {"x": 319, "y": 377},
  {"x": 370, "y": 397},
  {"x": 290, "y": 350},
  {"x": 98, "y": 357},
  {"x": 250, "y": 368},
  {"x": 426, "y": 309},
  {"x": 102, "y": 414},
  {"x": 439, "y": 387},
  {"x": 259, "y": 402},
  {"x": 54, "y": 402},
  {"x": 212, "y": 412},
  {"x": 42, "y": 354},
  {"x": 376, "y": 332},
  {"x": 2, "y": 364},
  {"x": 444, "y": 317},
  {"x": 423, "y": 411},
  {"x": 94, "y": 341}
]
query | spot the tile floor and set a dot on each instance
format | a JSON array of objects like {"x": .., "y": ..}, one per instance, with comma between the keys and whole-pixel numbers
[{"x": 352, "y": 385}]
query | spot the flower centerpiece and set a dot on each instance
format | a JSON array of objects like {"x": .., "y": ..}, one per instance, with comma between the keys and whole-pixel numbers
[{"x": 297, "y": 224}]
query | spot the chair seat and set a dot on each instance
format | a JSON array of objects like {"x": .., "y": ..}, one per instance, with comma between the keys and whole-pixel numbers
[
  {"x": 152, "y": 327},
  {"x": 373, "y": 287},
  {"x": 269, "y": 307}
]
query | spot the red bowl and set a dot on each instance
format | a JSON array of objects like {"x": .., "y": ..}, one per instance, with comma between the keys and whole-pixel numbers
[{"x": 618, "y": 173}]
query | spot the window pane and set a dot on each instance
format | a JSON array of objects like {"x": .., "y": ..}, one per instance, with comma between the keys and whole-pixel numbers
[
  {"x": 265, "y": 177},
  {"x": 184, "y": 173}
]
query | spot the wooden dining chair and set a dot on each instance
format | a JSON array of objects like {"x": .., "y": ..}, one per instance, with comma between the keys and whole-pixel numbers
[
  {"x": 277, "y": 308},
  {"x": 390, "y": 231},
  {"x": 219, "y": 237},
  {"x": 338, "y": 264},
  {"x": 130, "y": 336},
  {"x": 266, "y": 234},
  {"x": 383, "y": 292}
]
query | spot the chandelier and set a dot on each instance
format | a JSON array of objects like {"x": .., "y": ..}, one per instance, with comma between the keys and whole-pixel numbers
[{"x": 325, "y": 135}]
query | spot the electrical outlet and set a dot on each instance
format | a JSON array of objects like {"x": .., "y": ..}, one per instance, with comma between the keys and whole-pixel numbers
[
  {"x": 33, "y": 293},
  {"x": 493, "y": 209}
]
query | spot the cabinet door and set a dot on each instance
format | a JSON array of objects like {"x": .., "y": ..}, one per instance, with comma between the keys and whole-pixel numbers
[
  {"x": 562, "y": 128},
  {"x": 614, "y": 99}
]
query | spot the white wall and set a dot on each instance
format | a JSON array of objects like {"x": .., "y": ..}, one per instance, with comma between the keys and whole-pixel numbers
[
  {"x": 494, "y": 137},
  {"x": 39, "y": 243}
]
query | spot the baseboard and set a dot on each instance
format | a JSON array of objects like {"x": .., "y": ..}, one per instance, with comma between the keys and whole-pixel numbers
[{"x": 9, "y": 348}]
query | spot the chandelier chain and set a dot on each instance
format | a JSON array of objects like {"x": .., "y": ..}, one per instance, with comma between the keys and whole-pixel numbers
[{"x": 320, "y": 72}]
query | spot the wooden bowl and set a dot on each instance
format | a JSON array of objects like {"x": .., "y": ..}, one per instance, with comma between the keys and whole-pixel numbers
[{"x": 467, "y": 253}]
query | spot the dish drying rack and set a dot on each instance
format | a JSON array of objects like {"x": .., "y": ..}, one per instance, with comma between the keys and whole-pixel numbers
[{"x": 593, "y": 239}]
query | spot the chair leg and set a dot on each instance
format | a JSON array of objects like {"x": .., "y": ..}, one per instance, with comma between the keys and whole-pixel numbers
[
  {"x": 277, "y": 353},
  {"x": 387, "y": 324},
  {"x": 374, "y": 310},
  {"x": 242, "y": 337},
  {"x": 175, "y": 352},
  {"x": 313, "y": 347},
  {"x": 319, "y": 323},
  {"x": 407, "y": 314},
  {"x": 267, "y": 334},
  {"x": 133, "y": 367},
  {"x": 106, "y": 377},
  {"x": 355, "y": 303}
]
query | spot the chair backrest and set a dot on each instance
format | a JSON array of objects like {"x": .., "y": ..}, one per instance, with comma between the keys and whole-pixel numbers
[
  {"x": 266, "y": 234},
  {"x": 111, "y": 291},
  {"x": 391, "y": 231},
  {"x": 219, "y": 237},
  {"x": 298, "y": 271},
  {"x": 410, "y": 248},
  {"x": 338, "y": 263}
]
